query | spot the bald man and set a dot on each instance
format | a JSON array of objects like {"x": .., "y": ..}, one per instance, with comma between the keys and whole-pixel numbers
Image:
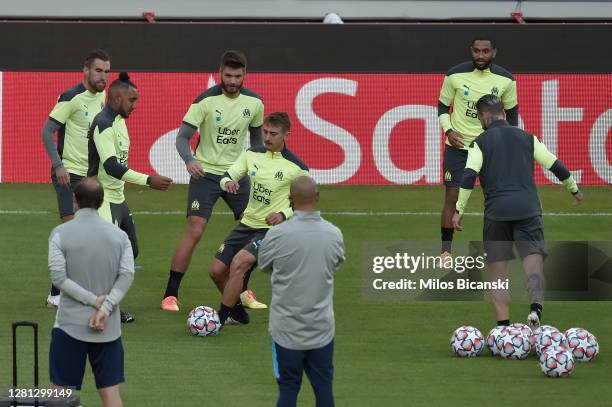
[{"x": 302, "y": 254}]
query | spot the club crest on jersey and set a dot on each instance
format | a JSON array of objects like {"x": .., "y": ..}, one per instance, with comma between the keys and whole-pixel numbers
[
  {"x": 195, "y": 205},
  {"x": 495, "y": 91},
  {"x": 218, "y": 116},
  {"x": 257, "y": 243},
  {"x": 246, "y": 113},
  {"x": 278, "y": 176}
]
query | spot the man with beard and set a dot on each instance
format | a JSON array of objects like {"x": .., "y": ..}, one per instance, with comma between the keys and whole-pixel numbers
[
  {"x": 503, "y": 158},
  {"x": 109, "y": 147},
  {"x": 463, "y": 86},
  {"x": 222, "y": 115},
  {"x": 70, "y": 118}
]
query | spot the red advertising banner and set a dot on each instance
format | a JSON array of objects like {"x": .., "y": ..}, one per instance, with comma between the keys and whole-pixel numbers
[{"x": 348, "y": 128}]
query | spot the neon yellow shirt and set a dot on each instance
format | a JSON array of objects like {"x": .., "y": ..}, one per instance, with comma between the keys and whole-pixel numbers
[
  {"x": 109, "y": 138},
  {"x": 271, "y": 176},
  {"x": 74, "y": 111},
  {"x": 223, "y": 124},
  {"x": 463, "y": 85}
]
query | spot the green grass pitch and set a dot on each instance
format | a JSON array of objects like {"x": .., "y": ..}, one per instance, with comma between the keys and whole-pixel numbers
[{"x": 387, "y": 353}]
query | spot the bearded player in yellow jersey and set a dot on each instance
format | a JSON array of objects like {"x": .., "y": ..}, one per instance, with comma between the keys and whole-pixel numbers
[
  {"x": 70, "y": 118},
  {"x": 109, "y": 148},
  {"x": 463, "y": 85},
  {"x": 223, "y": 115}
]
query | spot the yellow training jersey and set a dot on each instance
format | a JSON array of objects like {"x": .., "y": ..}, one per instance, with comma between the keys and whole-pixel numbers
[
  {"x": 109, "y": 139},
  {"x": 271, "y": 176},
  {"x": 463, "y": 85},
  {"x": 223, "y": 124},
  {"x": 74, "y": 112}
]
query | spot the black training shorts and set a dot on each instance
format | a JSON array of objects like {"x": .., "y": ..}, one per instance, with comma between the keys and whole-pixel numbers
[
  {"x": 500, "y": 237},
  {"x": 204, "y": 192}
]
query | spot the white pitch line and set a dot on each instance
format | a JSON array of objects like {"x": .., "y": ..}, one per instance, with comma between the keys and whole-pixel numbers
[{"x": 341, "y": 213}]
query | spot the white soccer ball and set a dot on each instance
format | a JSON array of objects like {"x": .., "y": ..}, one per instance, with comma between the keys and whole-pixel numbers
[
  {"x": 557, "y": 362},
  {"x": 572, "y": 331},
  {"x": 583, "y": 344},
  {"x": 494, "y": 335},
  {"x": 467, "y": 341},
  {"x": 528, "y": 332},
  {"x": 548, "y": 336},
  {"x": 543, "y": 328},
  {"x": 514, "y": 344},
  {"x": 203, "y": 321}
]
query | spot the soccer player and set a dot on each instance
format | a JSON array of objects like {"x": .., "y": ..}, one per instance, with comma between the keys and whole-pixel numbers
[
  {"x": 271, "y": 169},
  {"x": 463, "y": 85},
  {"x": 223, "y": 114},
  {"x": 70, "y": 118},
  {"x": 109, "y": 146},
  {"x": 503, "y": 158}
]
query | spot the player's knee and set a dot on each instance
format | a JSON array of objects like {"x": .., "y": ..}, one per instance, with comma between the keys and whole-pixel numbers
[
  {"x": 217, "y": 271},
  {"x": 241, "y": 262},
  {"x": 195, "y": 227},
  {"x": 451, "y": 196}
]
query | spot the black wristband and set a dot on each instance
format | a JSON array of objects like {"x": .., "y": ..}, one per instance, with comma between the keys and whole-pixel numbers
[{"x": 574, "y": 193}]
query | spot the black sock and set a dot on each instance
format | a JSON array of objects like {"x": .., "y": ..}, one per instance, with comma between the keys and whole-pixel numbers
[
  {"x": 505, "y": 322},
  {"x": 447, "y": 239},
  {"x": 537, "y": 308},
  {"x": 224, "y": 312},
  {"x": 174, "y": 281},
  {"x": 54, "y": 290},
  {"x": 245, "y": 280},
  {"x": 239, "y": 310}
]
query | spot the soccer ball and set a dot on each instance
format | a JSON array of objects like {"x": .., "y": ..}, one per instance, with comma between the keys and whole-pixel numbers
[
  {"x": 556, "y": 362},
  {"x": 543, "y": 328},
  {"x": 514, "y": 344},
  {"x": 203, "y": 321},
  {"x": 572, "y": 331},
  {"x": 527, "y": 332},
  {"x": 582, "y": 344},
  {"x": 492, "y": 338},
  {"x": 467, "y": 341},
  {"x": 548, "y": 336}
]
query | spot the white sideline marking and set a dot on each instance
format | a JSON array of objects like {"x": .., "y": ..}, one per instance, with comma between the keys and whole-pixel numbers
[{"x": 165, "y": 213}]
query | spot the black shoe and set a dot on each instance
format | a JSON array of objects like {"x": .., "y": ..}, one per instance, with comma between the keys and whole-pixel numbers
[
  {"x": 238, "y": 316},
  {"x": 126, "y": 317}
]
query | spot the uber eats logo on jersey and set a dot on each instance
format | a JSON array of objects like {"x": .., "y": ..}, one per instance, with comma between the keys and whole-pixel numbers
[
  {"x": 261, "y": 193},
  {"x": 225, "y": 135},
  {"x": 471, "y": 109}
]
